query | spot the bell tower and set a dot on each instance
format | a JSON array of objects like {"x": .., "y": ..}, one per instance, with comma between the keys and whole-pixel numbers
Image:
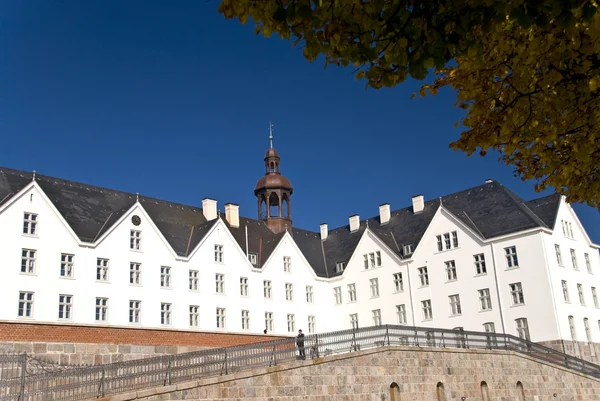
[{"x": 273, "y": 192}]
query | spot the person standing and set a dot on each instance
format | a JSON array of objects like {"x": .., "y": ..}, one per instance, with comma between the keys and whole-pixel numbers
[{"x": 300, "y": 344}]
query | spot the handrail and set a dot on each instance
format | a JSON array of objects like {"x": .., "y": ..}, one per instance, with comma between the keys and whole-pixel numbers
[{"x": 71, "y": 384}]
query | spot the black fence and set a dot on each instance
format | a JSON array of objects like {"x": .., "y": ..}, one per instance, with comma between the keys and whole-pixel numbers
[{"x": 18, "y": 382}]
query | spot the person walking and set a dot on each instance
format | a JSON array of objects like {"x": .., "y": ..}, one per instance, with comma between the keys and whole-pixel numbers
[{"x": 300, "y": 344}]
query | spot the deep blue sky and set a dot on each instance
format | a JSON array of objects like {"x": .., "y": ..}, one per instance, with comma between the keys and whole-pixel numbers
[{"x": 170, "y": 100}]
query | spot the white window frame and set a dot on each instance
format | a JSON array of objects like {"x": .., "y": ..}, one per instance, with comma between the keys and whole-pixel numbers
[
  {"x": 559, "y": 259},
  {"x": 30, "y": 224},
  {"x": 219, "y": 254},
  {"x": 401, "y": 313},
  {"x": 588, "y": 264},
  {"x": 376, "y": 315},
  {"x": 221, "y": 315},
  {"x": 516, "y": 294},
  {"x": 287, "y": 264},
  {"x": 135, "y": 240},
  {"x": 135, "y": 311},
  {"x": 67, "y": 265},
  {"x": 194, "y": 315},
  {"x": 267, "y": 289},
  {"x": 574, "y": 259},
  {"x": 455, "y": 308},
  {"x": 595, "y": 297},
  {"x": 310, "y": 295},
  {"x": 423, "y": 277},
  {"x": 354, "y": 321},
  {"x": 522, "y": 326},
  {"x": 427, "y": 309},
  {"x": 398, "y": 282},
  {"x": 407, "y": 250},
  {"x": 135, "y": 273},
  {"x": 581, "y": 294},
  {"x": 565, "y": 289},
  {"x": 289, "y": 292},
  {"x": 193, "y": 280},
  {"x": 480, "y": 266},
  {"x": 374, "y": 287},
  {"x": 101, "y": 314},
  {"x": 485, "y": 299},
  {"x": 28, "y": 261},
  {"x": 312, "y": 324},
  {"x": 440, "y": 243},
  {"x": 26, "y": 304},
  {"x": 244, "y": 286},
  {"x": 165, "y": 277},
  {"x": 165, "y": 314},
  {"x": 269, "y": 321},
  {"x": 337, "y": 295},
  {"x": 454, "y": 235},
  {"x": 291, "y": 323},
  {"x": 451, "y": 271},
  {"x": 253, "y": 259},
  {"x": 102, "y": 269},
  {"x": 65, "y": 307},
  {"x": 339, "y": 267},
  {"x": 219, "y": 283},
  {"x": 352, "y": 292},
  {"x": 512, "y": 260},
  {"x": 245, "y": 319}
]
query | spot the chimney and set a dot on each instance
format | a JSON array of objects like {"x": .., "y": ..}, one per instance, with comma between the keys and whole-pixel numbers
[
  {"x": 418, "y": 203},
  {"x": 232, "y": 214},
  {"x": 354, "y": 222},
  {"x": 384, "y": 213},
  {"x": 489, "y": 181},
  {"x": 209, "y": 208},
  {"x": 324, "y": 231}
]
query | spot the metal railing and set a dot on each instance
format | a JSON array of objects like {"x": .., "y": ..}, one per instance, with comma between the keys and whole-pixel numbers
[{"x": 70, "y": 384}]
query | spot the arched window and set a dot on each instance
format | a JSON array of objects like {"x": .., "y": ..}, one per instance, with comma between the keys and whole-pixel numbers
[
  {"x": 520, "y": 391},
  {"x": 263, "y": 207},
  {"x": 272, "y": 167},
  {"x": 285, "y": 207},
  {"x": 441, "y": 394},
  {"x": 394, "y": 392},
  {"x": 485, "y": 396},
  {"x": 274, "y": 210}
]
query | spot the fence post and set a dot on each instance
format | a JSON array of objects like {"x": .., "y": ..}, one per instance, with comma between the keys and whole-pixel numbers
[
  {"x": 23, "y": 369},
  {"x": 168, "y": 375},
  {"x": 387, "y": 334},
  {"x": 274, "y": 355},
  {"x": 102, "y": 382},
  {"x": 224, "y": 366}
]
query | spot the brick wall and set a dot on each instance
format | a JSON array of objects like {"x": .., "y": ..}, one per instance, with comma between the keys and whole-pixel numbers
[{"x": 369, "y": 375}]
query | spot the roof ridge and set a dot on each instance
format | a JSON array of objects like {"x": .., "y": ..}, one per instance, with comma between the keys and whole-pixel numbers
[{"x": 520, "y": 202}]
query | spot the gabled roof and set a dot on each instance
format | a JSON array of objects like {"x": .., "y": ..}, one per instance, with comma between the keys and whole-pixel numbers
[
  {"x": 91, "y": 211},
  {"x": 490, "y": 210}
]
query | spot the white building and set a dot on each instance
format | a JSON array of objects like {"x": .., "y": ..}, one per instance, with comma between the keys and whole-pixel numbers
[{"x": 481, "y": 259}]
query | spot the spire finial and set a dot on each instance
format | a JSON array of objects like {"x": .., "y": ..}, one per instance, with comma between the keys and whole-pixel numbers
[
  {"x": 137, "y": 196},
  {"x": 271, "y": 134},
  {"x": 33, "y": 177}
]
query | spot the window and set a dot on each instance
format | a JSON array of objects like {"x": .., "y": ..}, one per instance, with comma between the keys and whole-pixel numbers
[
  {"x": 311, "y": 325},
  {"x": 291, "y": 323},
  {"x": 269, "y": 321},
  {"x": 423, "y": 276},
  {"x": 558, "y": 254},
  {"x": 595, "y": 297},
  {"x": 398, "y": 283},
  {"x": 135, "y": 311},
  {"x": 244, "y": 286},
  {"x": 337, "y": 295},
  {"x": 194, "y": 315},
  {"x": 65, "y": 307},
  {"x": 522, "y": 328},
  {"x": 480, "y": 267},
  {"x": 135, "y": 240},
  {"x": 25, "y": 304},
  {"x": 354, "y": 321},
  {"x": 245, "y": 320},
  {"x": 352, "y": 292},
  {"x": 516, "y": 292},
  {"x": 165, "y": 277},
  {"x": 567, "y": 228},
  {"x": 565, "y": 290},
  {"x": 447, "y": 240},
  {"x": 489, "y": 327},
  {"x": 339, "y": 267},
  {"x": 401, "y": 313},
  {"x": 219, "y": 253},
  {"x": 30, "y": 221},
  {"x": 28, "y": 261},
  {"x": 588, "y": 333},
  {"x": 440, "y": 245},
  {"x": 455, "y": 309},
  {"x": 101, "y": 309},
  {"x": 220, "y": 318},
  {"x": 581, "y": 296},
  {"x": 289, "y": 292},
  {"x": 267, "y": 289},
  {"x": 372, "y": 260},
  {"x": 67, "y": 265},
  {"x": 252, "y": 257},
  {"x": 165, "y": 314},
  {"x": 450, "y": 270},
  {"x": 454, "y": 239},
  {"x": 491, "y": 341},
  {"x": 427, "y": 311},
  {"x": 574, "y": 259},
  {"x": 485, "y": 300},
  {"x": 587, "y": 263},
  {"x": 376, "y": 317},
  {"x": 219, "y": 283},
  {"x": 287, "y": 264},
  {"x": 310, "y": 296},
  {"x": 511, "y": 257},
  {"x": 102, "y": 269},
  {"x": 572, "y": 328},
  {"x": 374, "y": 286},
  {"x": 193, "y": 280},
  {"x": 135, "y": 273},
  {"x": 407, "y": 250}
]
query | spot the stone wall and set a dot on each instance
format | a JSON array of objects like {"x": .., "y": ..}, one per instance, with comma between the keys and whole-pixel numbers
[
  {"x": 587, "y": 351},
  {"x": 410, "y": 374}
]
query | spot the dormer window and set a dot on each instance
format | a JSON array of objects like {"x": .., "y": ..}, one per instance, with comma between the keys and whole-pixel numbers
[
  {"x": 30, "y": 221},
  {"x": 339, "y": 267},
  {"x": 407, "y": 250},
  {"x": 135, "y": 240},
  {"x": 253, "y": 258}
]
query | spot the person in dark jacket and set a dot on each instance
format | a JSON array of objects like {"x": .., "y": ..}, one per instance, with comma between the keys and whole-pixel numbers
[{"x": 300, "y": 344}]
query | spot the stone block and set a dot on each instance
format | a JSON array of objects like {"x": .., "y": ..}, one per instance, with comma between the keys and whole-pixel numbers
[
  {"x": 69, "y": 348},
  {"x": 124, "y": 349},
  {"x": 23, "y": 347},
  {"x": 40, "y": 348},
  {"x": 64, "y": 359},
  {"x": 75, "y": 359},
  {"x": 93, "y": 349},
  {"x": 171, "y": 350}
]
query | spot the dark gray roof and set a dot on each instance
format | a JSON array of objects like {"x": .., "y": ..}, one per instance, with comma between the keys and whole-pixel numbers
[
  {"x": 90, "y": 211},
  {"x": 490, "y": 210}
]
